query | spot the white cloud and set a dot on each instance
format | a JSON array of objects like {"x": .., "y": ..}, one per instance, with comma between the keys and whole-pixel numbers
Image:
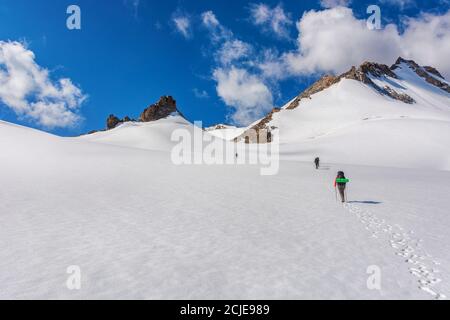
[
  {"x": 333, "y": 40},
  {"x": 245, "y": 93},
  {"x": 233, "y": 50},
  {"x": 217, "y": 31},
  {"x": 200, "y": 94},
  {"x": 209, "y": 19},
  {"x": 427, "y": 40},
  {"x": 26, "y": 88},
  {"x": 182, "y": 23},
  {"x": 271, "y": 66},
  {"x": 249, "y": 96},
  {"x": 337, "y": 3},
  {"x": 227, "y": 48},
  {"x": 276, "y": 20}
]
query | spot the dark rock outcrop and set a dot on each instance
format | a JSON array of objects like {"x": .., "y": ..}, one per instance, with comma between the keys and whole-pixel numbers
[
  {"x": 433, "y": 71},
  {"x": 366, "y": 70},
  {"x": 377, "y": 70},
  {"x": 398, "y": 96},
  {"x": 112, "y": 122},
  {"x": 162, "y": 109}
]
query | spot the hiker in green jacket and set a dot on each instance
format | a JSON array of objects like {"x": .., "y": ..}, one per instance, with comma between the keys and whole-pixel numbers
[{"x": 341, "y": 183}]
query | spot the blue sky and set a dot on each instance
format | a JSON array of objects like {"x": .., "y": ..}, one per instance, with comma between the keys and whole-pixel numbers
[{"x": 223, "y": 61}]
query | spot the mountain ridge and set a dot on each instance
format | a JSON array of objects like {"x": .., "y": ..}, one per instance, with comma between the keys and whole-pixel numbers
[{"x": 369, "y": 74}]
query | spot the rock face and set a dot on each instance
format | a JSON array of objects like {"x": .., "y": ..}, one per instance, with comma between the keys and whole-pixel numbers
[
  {"x": 424, "y": 72},
  {"x": 324, "y": 83},
  {"x": 376, "y": 70},
  {"x": 112, "y": 121},
  {"x": 261, "y": 132},
  {"x": 162, "y": 109},
  {"x": 433, "y": 71}
]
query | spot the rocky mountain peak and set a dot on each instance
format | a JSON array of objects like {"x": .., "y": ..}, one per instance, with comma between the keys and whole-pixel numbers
[
  {"x": 370, "y": 70},
  {"x": 401, "y": 60},
  {"x": 376, "y": 69},
  {"x": 162, "y": 109},
  {"x": 367, "y": 70}
]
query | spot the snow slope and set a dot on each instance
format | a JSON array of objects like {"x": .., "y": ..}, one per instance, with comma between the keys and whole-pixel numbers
[
  {"x": 140, "y": 227},
  {"x": 351, "y": 123},
  {"x": 225, "y": 132},
  {"x": 154, "y": 135}
]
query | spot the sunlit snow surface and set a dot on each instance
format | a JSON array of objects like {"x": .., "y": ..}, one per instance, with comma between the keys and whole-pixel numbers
[{"x": 141, "y": 227}]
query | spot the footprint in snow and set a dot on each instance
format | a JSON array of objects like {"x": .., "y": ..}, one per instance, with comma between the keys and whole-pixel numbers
[{"x": 405, "y": 246}]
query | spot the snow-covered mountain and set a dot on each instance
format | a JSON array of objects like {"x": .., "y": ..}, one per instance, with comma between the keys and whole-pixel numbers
[{"x": 372, "y": 115}]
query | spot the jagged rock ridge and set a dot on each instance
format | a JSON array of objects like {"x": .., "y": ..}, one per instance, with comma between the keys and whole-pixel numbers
[
  {"x": 160, "y": 110},
  {"x": 113, "y": 121},
  {"x": 362, "y": 74},
  {"x": 424, "y": 72}
]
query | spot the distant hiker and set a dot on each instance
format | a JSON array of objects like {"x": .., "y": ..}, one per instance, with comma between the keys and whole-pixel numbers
[
  {"x": 317, "y": 163},
  {"x": 340, "y": 183}
]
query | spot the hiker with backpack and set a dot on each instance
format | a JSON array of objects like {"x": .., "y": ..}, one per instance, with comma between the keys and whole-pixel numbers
[
  {"x": 317, "y": 163},
  {"x": 340, "y": 183}
]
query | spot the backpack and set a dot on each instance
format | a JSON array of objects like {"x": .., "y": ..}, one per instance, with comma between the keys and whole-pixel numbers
[{"x": 341, "y": 180}]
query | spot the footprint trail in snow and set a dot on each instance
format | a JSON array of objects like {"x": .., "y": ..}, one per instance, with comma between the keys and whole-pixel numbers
[{"x": 406, "y": 246}]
